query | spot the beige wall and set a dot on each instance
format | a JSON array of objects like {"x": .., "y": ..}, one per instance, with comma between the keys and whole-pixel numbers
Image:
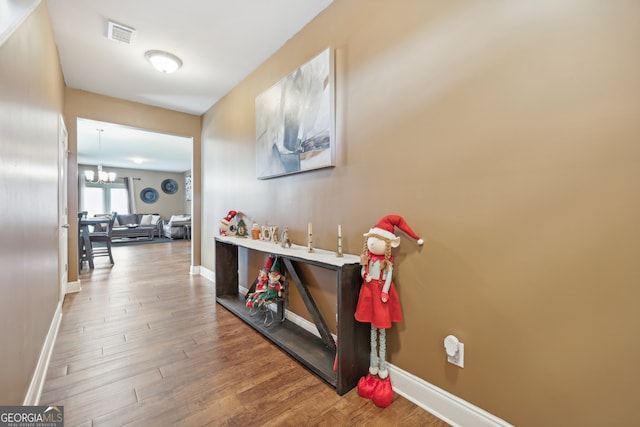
[
  {"x": 88, "y": 105},
  {"x": 31, "y": 102},
  {"x": 508, "y": 135}
]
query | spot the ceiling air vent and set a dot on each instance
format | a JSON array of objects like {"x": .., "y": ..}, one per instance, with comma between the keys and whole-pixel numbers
[{"x": 120, "y": 33}]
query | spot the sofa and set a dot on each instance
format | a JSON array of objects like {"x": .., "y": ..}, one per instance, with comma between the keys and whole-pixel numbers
[
  {"x": 142, "y": 220},
  {"x": 147, "y": 225},
  {"x": 178, "y": 227}
]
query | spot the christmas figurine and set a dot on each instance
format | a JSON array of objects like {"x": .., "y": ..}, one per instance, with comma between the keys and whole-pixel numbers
[
  {"x": 274, "y": 286},
  {"x": 378, "y": 303},
  {"x": 286, "y": 242},
  {"x": 224, "y": 222},
  {"x": 242, "y": 229},
  {"x": 261, "y": 285}
]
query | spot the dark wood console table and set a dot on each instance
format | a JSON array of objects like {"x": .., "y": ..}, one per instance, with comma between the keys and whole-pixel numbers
[{"x": 317, "y": 354}]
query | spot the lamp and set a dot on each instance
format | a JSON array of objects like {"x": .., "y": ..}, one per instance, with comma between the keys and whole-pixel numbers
[
  {"x": 162, "y": 61},
  {"x": 103, "y": 176}
]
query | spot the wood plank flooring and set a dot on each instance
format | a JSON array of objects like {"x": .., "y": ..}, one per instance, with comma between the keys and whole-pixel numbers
[{"x": 145, "y": 344}]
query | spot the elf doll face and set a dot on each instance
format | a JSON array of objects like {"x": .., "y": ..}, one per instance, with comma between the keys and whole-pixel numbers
[
  {"x": 274, "y": 276},
  {"x": 377, "y": 245}
]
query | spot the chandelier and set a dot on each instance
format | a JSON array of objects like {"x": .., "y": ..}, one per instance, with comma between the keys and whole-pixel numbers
[{"x": 102, "y": 176}]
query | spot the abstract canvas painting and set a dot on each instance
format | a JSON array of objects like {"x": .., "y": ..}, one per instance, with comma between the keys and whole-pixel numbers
[{"x": 295, "y": 121}]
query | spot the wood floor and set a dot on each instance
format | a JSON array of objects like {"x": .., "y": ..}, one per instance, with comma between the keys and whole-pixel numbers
[{"x": 145, "y": 344}]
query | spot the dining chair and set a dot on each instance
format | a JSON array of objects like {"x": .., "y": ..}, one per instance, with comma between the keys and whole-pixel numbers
[
  {"x": 101, "y": 240},
  {"x": 82, "y": 250}
]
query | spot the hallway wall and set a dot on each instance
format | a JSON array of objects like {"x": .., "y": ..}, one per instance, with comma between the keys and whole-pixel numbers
[
  {"x": 31, "y": 103},
  {"x": 506, "y": 133}
]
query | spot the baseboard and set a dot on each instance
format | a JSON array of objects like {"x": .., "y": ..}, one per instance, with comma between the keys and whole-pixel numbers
[
  {"x": 37, "y": 381},
  {"x": 207, "y": 274},
  {"x": 442, "y": 404},
  {"x": 73, "y": 287}
]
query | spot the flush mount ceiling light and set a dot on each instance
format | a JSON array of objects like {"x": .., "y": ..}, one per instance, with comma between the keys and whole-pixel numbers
[{"x": 162, "y": 61}]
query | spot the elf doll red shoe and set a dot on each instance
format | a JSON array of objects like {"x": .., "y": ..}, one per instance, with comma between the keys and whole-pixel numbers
[{"x": 378, "y": 303}]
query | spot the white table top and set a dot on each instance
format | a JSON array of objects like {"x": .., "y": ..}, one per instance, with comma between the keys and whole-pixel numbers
[{"x": 318, "y": 255}]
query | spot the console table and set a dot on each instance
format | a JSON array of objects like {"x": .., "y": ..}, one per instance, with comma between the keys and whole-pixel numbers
[{"x": 318, "y": 354}]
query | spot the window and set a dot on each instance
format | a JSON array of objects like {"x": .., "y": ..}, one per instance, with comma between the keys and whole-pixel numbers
[{"x": 105, "y": 198}]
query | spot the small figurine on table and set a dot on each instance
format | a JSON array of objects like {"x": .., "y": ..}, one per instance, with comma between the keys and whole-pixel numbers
[
  {"x": 242, "y": 228},
  {"x": 225, "y": 222},
  {"x": 378, "y": 303},
  {"x": 286, "y": 242}
]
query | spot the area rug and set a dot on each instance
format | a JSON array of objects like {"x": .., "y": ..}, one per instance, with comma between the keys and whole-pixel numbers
[{"x": 137, "y": 241}]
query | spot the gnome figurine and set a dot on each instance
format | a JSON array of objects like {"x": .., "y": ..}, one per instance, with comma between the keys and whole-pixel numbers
[{"x": 378, "y": 303}]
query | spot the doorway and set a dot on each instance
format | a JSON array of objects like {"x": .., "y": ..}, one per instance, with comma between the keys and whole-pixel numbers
[{"x": 150, "y": 170}]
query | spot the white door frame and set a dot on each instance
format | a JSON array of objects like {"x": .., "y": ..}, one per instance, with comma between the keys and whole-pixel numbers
[{"x": 63, "y": 216}]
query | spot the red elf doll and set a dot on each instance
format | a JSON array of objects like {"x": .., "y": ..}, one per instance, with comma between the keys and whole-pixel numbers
[
  {"x": 378, "y": 303},
  {"x": 261, "y": 284}
]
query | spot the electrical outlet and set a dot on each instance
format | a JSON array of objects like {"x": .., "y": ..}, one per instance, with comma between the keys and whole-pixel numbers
[{"x": 458, "y": 358}]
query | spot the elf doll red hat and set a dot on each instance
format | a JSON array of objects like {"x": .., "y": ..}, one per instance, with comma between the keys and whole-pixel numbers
[
  {"x": 385, "y": 228},
  {"x": 268, "y": 264}
]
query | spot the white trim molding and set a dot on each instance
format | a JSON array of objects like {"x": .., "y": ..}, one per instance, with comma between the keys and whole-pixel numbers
[
  {"x": 73, "y": 287},
  {"x": 207, "y": 274},
  {"x": 442, "y": 404},
  {"x": 39, "y": 375}
]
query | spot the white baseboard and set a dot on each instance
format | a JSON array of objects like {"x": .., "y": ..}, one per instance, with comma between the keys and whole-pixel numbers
[
  {"x": 73, "y": 287},
  {"x": 442, "y": 404},
  {"x": 207, "y": 274},
  {"x": 37, "y": 380}
]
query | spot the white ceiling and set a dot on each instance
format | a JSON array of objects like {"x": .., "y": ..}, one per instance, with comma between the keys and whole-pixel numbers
[
  {"x": 219, "y": 41},
  {"x": 130, "y": 148}
]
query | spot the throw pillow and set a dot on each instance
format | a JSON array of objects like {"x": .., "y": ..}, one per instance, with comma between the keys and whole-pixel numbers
[
  {"x": 155, "y": 219},
  {"x": 146, "y": 220}
]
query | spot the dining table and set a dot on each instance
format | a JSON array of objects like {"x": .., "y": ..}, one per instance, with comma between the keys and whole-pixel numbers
[{"x": 85, "y": 250}]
